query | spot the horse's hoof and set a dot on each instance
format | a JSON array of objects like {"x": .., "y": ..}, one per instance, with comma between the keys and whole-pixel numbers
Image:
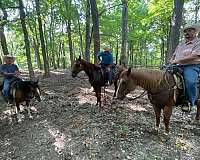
[
  {"x": 30, "y": 117},
  {"x": 166, "y": 133},
  {"x": 194, "y": 121},
  {"x": 156, "y": 129},
  {"x": 19, "y": 120}
]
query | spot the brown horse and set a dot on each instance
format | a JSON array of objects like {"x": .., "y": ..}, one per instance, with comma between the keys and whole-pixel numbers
[
  {"x": 23, "y": 91},
  {"x": 160, "y": 86},
  {"x": 96, "y": 77}
]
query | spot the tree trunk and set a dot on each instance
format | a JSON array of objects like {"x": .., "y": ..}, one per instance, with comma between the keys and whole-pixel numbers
[
  {"x": 87, "y": 32},
  {"x": 45, "y": 60},
  {"x": 95, "y": 20},
  {"x": 197, "y": 6},
  {"x": 117, "y": 52},
  {"x": 26, "y": 39},
  {"x": 37, "y": 54},
  {"x": 162, "y": 51},
  {"x": 70, "y": 42},
  {"x": 123, "y": 57},
  {"x": 2, "y": 35},
  {"x": 175, "y": 28},
  {"x": 79, "y": 30}
]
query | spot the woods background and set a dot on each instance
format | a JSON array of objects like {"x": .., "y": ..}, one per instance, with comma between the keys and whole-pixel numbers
[{"x": 49, "y": 34}]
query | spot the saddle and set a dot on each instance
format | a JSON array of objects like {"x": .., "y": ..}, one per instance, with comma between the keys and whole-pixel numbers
[
  {"x": 12, "y": 88},
  {"x": 179, "y": 84},
  {"x": 104, "y": 72}
]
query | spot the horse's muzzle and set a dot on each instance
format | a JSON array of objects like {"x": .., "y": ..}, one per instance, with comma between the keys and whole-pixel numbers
[{"x": 74, "y": 74}]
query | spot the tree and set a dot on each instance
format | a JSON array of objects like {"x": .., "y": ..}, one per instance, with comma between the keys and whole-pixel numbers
[
  {"x": 3, "y": 21},
  {"x": 175, "y": 26},
  {"x": 87, "y": 32},
  {"x": 95, "y": 20},
  {"x": 44, "y": 55},
  {"x": 26, "y": 39},
  {"x": 123, "y": 58}
]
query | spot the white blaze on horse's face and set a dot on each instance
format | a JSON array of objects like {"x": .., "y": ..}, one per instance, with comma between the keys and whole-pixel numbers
[
  {"x": 122, "y": 88},
  {"x": 125, "y": 86}
]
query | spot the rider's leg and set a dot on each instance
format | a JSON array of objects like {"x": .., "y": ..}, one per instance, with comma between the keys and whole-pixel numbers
[
  {"x": 109, "y": 76},
  {"x": 6, "y": 88},
  {"x": 191, "y": 76}
]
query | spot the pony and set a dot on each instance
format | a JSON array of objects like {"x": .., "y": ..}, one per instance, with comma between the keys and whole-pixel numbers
[
  {"x": 161, "y": 89},
  {"x": 23, "y": 91},
  {"x": 96, "y": 76}
]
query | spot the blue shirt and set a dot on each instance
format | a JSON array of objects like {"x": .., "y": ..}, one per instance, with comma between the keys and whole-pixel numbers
[
  {"x": 9, "y": 68},
  {"x": 106, "y": 57}
]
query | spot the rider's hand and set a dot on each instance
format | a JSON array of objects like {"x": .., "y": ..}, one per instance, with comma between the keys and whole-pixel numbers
[
  {"x": 17, "y": 73},
  {"x": 174, "y": 61}
]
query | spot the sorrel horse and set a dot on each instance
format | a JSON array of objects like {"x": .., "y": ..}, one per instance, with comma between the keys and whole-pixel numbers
[
  {"x": 96, "y": 77},
  {"x": 23, "y": 91},
  {"x": 161, "y": 89}
]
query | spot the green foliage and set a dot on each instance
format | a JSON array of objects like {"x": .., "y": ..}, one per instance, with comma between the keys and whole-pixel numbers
[{"x": 148, "y": 23}]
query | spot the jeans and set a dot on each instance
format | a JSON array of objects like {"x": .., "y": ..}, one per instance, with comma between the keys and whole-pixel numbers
[
  {"x": 108, "y": 71},
  {"x": 6, "y": 87},
  {"x": 190, "y": 74}
]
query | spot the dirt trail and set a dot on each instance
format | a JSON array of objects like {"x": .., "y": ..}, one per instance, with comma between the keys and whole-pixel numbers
[{"x": 68, "y": 126}]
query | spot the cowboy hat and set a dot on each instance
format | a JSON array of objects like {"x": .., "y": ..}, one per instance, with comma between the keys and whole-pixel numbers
[
  {"x": 9, "y": 56},
  {"x": 106, "y": 48},
  {"x": 194, "y": 26}
]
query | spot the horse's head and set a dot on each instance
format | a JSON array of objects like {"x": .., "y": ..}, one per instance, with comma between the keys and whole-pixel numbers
[
  {"x": 35, "y": 90},
  {"x": 77, "y": 67},
  {"x": 126, "y": 84}
]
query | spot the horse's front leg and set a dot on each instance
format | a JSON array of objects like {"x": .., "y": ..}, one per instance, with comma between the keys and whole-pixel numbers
[
  {"x": 19, "y": 117},
  {"x": 167, "y": 114},
  {"x": 157, "y": 111},
  {"x": 196, "y": 118},
  {"x": 115, "y": 84},
  {"x": 29, "y": 109},
  {"x": 98, "y": 95}
]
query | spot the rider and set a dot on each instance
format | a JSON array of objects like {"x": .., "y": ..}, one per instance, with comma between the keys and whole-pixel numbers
[
  {"x": 187, "y": 55},
  {"x": 106, "y": 60},
  {"x": 9, "y": 70}
]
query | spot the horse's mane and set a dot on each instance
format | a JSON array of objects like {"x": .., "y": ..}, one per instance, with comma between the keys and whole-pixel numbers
[
  {"x": 149, "y": 78},
  {"x": 89, "y": 64},
  {"x": 24, "y": 84}
]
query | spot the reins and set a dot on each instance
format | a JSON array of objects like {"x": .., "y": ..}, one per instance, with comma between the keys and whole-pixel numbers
[{"x": 140, "y": 96}]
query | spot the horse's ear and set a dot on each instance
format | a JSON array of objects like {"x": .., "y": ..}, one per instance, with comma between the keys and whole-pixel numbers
[
  {"x": 79, "y": 58},
  {"x": 129, "y": 71}
]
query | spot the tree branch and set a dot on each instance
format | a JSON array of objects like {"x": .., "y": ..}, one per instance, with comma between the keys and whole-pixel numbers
[{"x": 110, "y": 8}]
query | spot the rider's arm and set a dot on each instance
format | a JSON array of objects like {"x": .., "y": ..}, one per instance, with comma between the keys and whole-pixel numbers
[
  {"x": 186, "y": 59},
  {"x": 99, "y": 55},
  {"x": 195, "y": 55},
  {"x": 111, "y": 59}
]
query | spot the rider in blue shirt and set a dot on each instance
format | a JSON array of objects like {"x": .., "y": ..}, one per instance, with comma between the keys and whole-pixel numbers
[
  {"x": 106, "y": 60},
  {"x": 9, "y": 70}
]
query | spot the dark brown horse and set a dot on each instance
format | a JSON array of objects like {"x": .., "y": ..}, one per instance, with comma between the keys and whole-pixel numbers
[
  {"x": 161, "y": 89},
  {"x": 23, "y": 91},
  {"x": 96, "y": 77}
]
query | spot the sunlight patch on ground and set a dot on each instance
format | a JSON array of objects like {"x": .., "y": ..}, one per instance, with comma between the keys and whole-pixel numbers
[
  {"x": 137, "y": 108},
  {"x": 59, "y": 139},
  {"x": 86, "y": 97},
  {"x": 58, "y": 72}
]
